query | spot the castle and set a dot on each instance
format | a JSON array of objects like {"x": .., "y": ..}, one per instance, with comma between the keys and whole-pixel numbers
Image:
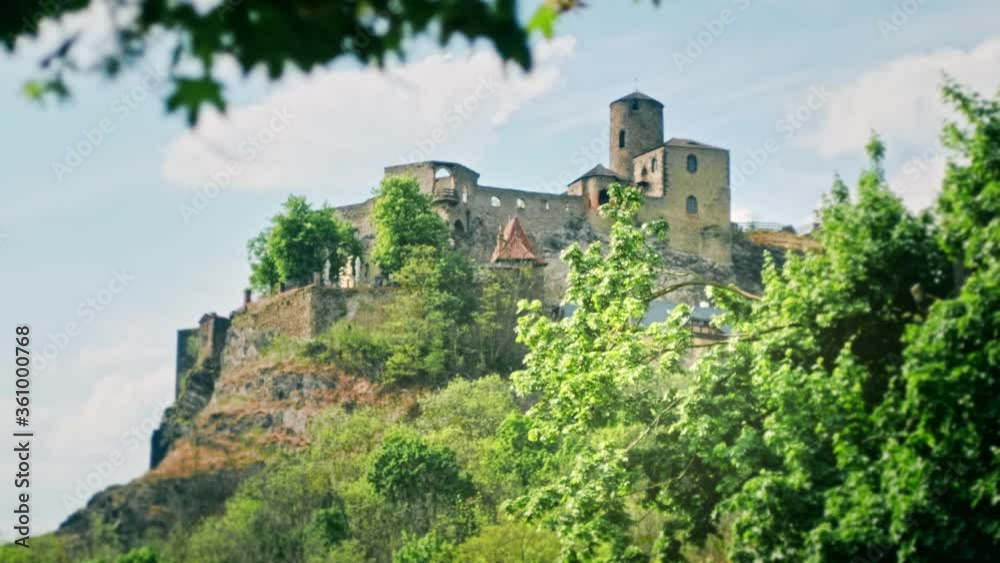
[
  {"x": 684, "y": 182},
  {"x": 518, "y": 233}
]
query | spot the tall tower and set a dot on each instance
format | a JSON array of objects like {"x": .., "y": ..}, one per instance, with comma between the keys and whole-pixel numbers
[{"x": 636, "y": 127}]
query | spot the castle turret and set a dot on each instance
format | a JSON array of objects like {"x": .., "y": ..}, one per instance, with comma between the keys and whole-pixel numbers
[
  {"x": 514, "y": 246},
  {"x": 636, "y": 127}
]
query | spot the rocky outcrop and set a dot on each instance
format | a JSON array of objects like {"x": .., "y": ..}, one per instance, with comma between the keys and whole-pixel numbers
[
  {"x": 150, "y": 506},
  {"x": 196, "y": 388},
  {"x": 221, "y": 430}
]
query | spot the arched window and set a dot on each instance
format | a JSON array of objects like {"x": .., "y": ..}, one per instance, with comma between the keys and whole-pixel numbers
[
  {"x": 621, "y": 139},
  {"x": 635, "y": 105},
  {"x": 442, "y": 173},
  {"x": 603, "y": 197},
  {"x": 654, "y": 165},
  {"x": 692, "y": 163},
  {"x": 459, "y": 228},
  {"x": 692, "y": 205},
  {"x": 495, "y": 201},
  {"x": 520, "y": 203}
]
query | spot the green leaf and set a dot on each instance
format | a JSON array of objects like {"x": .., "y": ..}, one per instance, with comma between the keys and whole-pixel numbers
[{"x": 544, "y": 20}]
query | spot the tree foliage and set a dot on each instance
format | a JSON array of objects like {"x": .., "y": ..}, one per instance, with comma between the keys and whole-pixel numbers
[
  {"x": 405, "y": 222},
  {"x": 846, "y": 416},
  {"x": 299, "y": 242},
  {"x": 596, "y": 375},
  {"x": 940, "y": 475},
  {"x": 851, "y": 424},
  {"x": 278, "y": 37},
  {"x": 408, "y": 470}
]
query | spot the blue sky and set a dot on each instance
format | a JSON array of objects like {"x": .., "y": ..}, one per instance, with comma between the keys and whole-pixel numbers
[{"x": 809, "y": 78}]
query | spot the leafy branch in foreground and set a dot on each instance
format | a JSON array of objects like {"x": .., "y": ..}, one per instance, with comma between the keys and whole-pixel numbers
[
  {"x": 277, "y": 36},
  {"x": 862, "y": 430}
]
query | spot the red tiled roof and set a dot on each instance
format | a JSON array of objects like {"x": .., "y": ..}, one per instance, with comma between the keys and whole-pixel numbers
[{"x": 513, "y": 244}]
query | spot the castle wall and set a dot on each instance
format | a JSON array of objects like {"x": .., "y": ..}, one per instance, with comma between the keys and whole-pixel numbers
[
  {"x": 212, "y": 336},
  {"x": 299, "y": 313},
  {"x": 543, "y": 216},
  {"x": 197, "y": 347},
  {"x": 358, "y": 215},
  {"x": 552, "y": 222},
  {"x": 648, "y": 168},
  {"x": 302, "y": 312},
  {"x": 187, "y": 352},
  {"x": 706, "y": 233}
]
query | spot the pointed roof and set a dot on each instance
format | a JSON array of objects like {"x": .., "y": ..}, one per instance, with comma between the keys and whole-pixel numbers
[
  {"x": 637, "y": 95},
  {"x": 513, "y": 245},
  {"x": 599, "y": 170}
]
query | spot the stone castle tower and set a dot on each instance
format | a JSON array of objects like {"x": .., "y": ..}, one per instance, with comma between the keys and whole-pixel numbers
[{"x": 636, "y": 127}]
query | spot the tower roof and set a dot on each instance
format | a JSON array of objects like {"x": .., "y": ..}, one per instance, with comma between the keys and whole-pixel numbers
[
  {"x": 637, "y": 95},
  {"x": 513, "y": 245},
  {"x": 679, "y": 142},
  {"x": 599, "y": 170}
]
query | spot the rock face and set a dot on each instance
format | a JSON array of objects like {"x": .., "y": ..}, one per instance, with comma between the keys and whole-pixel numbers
[
  {"x": 195, "y": 392},
  {"x": 150, "y": 507},
  {"x": 232, "y": 411}
]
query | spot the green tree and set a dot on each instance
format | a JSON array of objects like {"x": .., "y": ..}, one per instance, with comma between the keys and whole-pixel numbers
[
  {"x": 299, "y": 242},
  {"x": 936, "y": 489},
  {"x": 598, "y": 378},
  {"x": 408, "y": 470},
  {"x": 428, "y": 320},
  {"x": 509, "y": 542},
  {"x": 778, "y": 425},
  {"x": 468, "y": 410},
  {"x": 268, "y": 517},
  {"x": 139, "y": 555},
  {"x": 404, "y": 221},
  {"x": 430, "y": 548},
  {"x": 495, "y": 322},
  {"x": 423, "y": 480},
  {"x": 328, "y": 527}
]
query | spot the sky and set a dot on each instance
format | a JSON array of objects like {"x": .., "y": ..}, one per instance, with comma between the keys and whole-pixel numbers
[{"x": 107, "y": 254}]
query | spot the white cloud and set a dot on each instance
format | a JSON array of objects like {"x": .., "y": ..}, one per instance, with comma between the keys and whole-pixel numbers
[
  {"x": 901, "y": 100},
  {"x": 741, "y": 214},
  {"x": 129, "y": 383},
  {"x": 103, "y": 437},
  {"x": 346, "y": 125},
  {"x": 919, "y": 179}
]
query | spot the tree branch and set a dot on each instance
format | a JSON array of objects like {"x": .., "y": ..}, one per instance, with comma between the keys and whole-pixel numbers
[{"x": 696, "y": 283}]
